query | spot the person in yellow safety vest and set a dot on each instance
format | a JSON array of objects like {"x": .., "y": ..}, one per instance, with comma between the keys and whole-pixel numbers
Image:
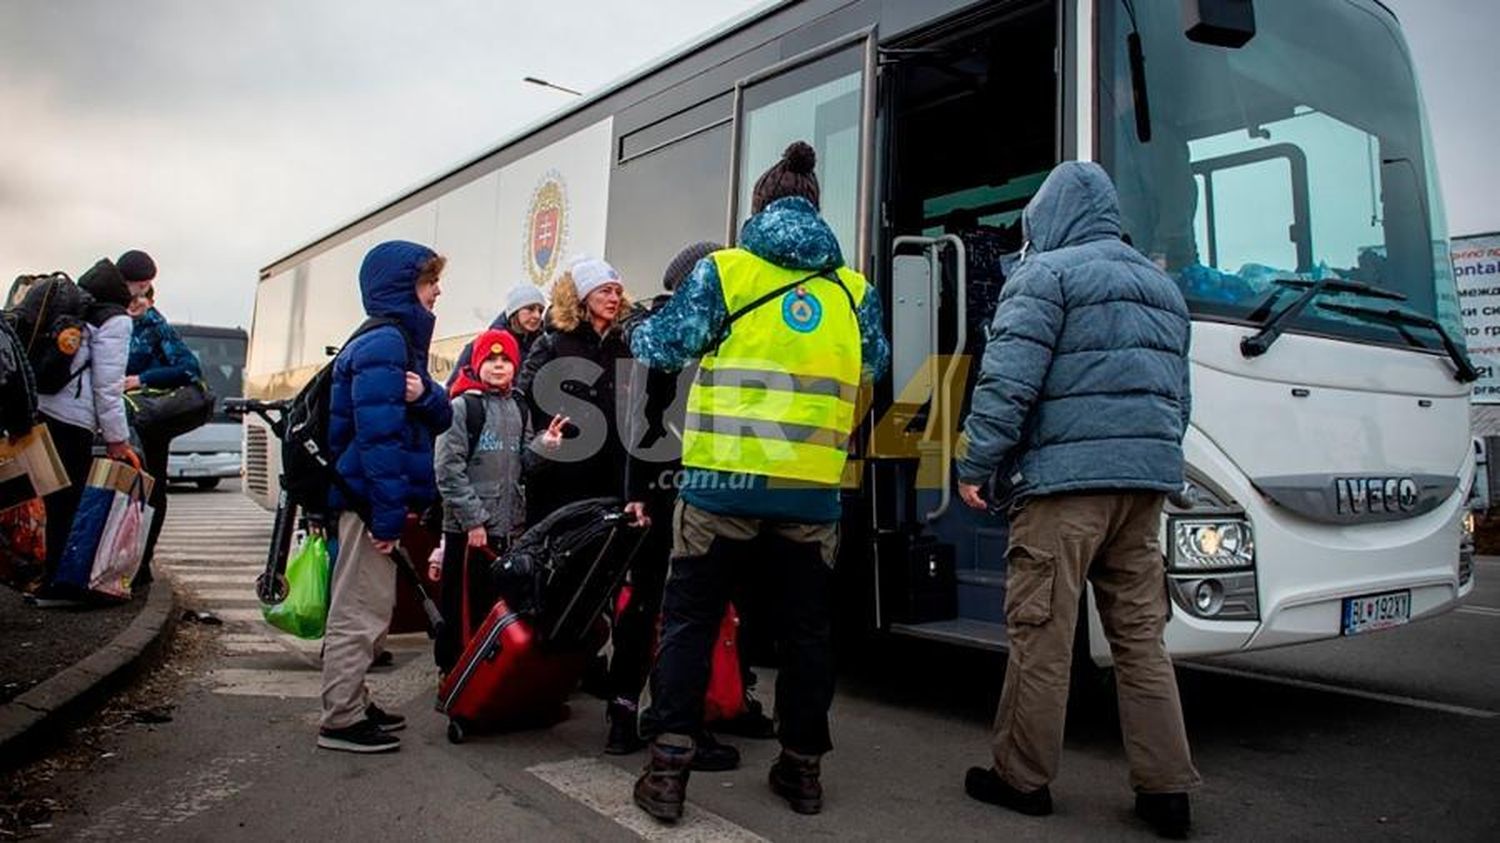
[{"x": 787, "y": 333}]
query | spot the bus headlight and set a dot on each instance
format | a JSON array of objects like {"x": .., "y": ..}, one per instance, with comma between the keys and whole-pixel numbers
[{"x": 1210, "y": 544}]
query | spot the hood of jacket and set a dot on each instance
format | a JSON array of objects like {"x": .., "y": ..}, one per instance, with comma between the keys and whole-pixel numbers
[
  {"x": 1076, "y": 204},
  {"x": 789, "y": 233},
  {"x": 388, "y": 287},
  {"x": 111, "y": 294}
]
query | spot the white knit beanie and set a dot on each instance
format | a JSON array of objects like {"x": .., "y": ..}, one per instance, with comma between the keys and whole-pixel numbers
[
  {"x": 589, "y": 274},
  {"x": 522, "y": 296}
]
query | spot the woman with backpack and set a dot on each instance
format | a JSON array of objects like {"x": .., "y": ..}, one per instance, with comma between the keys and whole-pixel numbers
[
  {"x": 90, "y": 401},
  {"x": 159, "y": 359}
]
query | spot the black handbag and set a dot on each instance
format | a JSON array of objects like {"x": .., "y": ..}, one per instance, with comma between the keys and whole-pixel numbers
[{"x": 165, "y": 413}]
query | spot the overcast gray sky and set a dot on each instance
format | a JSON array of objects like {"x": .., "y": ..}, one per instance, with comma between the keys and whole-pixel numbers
[{"x": 218, "y": 135}]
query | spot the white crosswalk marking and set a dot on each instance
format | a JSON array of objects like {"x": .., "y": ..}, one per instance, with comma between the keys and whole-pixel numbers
[
  {"x": 215, "y": 547},
  {"x": 605, "y": 789}
]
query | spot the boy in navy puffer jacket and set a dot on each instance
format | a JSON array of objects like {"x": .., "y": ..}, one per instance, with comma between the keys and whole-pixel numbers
[{"x": 384, "y": 413}]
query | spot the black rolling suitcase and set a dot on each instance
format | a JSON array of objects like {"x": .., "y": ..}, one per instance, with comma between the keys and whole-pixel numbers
[{"x": 564, "y": 569}]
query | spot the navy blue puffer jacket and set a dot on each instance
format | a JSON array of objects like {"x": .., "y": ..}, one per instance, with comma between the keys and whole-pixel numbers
[
  {"x": 1084, "y": 381},
  {"x": 382, "y": 446}
]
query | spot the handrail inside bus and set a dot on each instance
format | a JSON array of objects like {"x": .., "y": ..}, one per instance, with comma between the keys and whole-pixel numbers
[{"x": 943, "y": 387}]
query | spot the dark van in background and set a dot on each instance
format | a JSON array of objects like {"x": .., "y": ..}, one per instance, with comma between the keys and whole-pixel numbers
[{"x": 212, "y": 452}]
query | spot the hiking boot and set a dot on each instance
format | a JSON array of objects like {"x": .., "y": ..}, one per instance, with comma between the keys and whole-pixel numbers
[
  {"x": 710, "y": 756},
  {"x": 795, "y": 778},
  {"x": 624, "y": 729},
  {"x": 662, "y": 788},
  {"x": 363, "y": 736},
  {"x": 384, "y": 720},
  {"x": 1169, "y": 813},
  {"x": 984, "y": 784},
  {"x": 751, "y": 723}
]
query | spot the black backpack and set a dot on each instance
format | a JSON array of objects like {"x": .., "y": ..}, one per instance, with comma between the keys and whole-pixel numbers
[
  {"x": 307, "y": 471},
  {"x": 17, "y": 391},
  {"x": 50, "y": 324}
]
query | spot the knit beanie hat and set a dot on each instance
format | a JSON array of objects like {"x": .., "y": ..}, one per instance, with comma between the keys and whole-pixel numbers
[
  {"x": 136, "y": 265},
  {"x": 589, "y": 274},
  {"x": 523, "y": 296},
  {"x": 490, "y": 343},
  {"x": 791, "y": 176},
  {"x": 678, "y": 270}
]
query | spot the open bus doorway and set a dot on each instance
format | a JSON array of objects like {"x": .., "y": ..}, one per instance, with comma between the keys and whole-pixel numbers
[{"x": 954, "y": 189}]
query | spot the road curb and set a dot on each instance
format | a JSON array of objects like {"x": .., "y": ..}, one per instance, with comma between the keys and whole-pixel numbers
[{"x": 26, "y": 720}]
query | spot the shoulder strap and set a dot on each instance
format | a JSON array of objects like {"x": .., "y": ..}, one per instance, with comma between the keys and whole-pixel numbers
[
  {"x": 826, "y": 274},
  {"x": 473, "y": 419}
]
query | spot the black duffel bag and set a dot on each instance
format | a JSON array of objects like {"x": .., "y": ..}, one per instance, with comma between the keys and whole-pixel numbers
[{"x": 166, "y": 413}]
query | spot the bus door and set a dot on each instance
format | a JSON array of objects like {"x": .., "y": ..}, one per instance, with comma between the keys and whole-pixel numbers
[
  {"x": 952, "y": 193},
  {"x": 824, "y": 97}
]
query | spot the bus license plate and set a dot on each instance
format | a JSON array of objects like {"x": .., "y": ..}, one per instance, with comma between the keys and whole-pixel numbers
[{"x": 1376, "y": 611}]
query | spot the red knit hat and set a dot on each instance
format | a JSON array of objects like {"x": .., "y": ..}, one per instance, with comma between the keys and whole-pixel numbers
[{"x": 488, "y": 344}]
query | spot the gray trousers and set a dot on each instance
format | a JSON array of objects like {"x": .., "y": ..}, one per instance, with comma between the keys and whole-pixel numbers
[{"x": 359, "y": 611}]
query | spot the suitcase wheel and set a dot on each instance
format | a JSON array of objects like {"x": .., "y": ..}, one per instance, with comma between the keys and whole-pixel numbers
[{"x": 456, "y": 732}]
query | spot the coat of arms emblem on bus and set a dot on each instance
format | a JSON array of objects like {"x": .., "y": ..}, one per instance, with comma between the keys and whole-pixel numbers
[{"x": 546, "y": 227}]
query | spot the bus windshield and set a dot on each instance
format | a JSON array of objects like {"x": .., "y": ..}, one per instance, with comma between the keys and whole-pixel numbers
[
  {"x": 1299, "y": 156},
  {"x": 221, "y": 356}
]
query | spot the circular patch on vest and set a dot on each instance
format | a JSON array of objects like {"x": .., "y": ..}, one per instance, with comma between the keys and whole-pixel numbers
[
  {"x": 801, "y": 311},
  {"x": 69, "y": 340}
]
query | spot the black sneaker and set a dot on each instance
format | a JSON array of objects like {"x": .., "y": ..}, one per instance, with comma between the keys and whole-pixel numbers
[
  {"x": 984, "y": 784},
  {"x": 710, "y": 756},
  {"x": 1169, "y": 813},
  {"x": 363, "y": 736},
  {"x": 384, "y": 659},
  {"x": 383, "y": 719}
]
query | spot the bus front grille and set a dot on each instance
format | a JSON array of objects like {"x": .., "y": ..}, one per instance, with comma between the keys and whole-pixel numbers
[{"x": 257, "y": 460}]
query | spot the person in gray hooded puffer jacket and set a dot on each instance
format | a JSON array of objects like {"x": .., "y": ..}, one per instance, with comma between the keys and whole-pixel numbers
[{"x": 1078, "y": 416}]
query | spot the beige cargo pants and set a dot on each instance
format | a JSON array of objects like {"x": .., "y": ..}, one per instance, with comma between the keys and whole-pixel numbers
[
  {"x": 1111, "y": 540},
  {"x": 363, "y": 594}
]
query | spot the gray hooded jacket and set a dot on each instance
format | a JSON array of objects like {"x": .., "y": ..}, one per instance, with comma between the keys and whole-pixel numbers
[
  {"x": 483, "y": 487},
  {"x": 1084, "y": 381}
]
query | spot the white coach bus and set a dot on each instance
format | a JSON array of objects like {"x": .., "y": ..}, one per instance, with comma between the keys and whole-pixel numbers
[{"x": 1272, "y": 155}]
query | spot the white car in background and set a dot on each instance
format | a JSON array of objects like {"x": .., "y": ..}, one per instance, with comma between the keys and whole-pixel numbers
[{"x": 212, "y": 452}]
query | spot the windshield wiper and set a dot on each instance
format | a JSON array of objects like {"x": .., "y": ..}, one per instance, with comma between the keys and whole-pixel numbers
[
  {"x": 1400, "y": 317},
  {"x": 1260, "y": 342}
]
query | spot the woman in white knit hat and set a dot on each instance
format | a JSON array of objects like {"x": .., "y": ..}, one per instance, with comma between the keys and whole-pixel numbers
[
  {"x": 522, "y": 316},
  {"x": 572, "y": 371}
]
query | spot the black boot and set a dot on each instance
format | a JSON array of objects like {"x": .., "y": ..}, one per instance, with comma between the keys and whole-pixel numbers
[
  {"x": 624, "y": 730},
  {"x": 751, "y": 723},
  {"x": 662, "y": 788},
  {"x": 1169, "y": 813},
  {"x": 710, "y": 756},
  {"x": 984, "y": 784},
  {"x": 795, "y": 778}
]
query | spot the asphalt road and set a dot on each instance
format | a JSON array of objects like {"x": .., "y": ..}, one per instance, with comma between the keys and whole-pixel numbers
[{"x": 1392, "y": 736}]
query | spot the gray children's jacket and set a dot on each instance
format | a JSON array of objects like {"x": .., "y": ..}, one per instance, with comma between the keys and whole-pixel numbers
[
  {"x": 1084, "y": 381},
  {"x": 483, "y": 487}
]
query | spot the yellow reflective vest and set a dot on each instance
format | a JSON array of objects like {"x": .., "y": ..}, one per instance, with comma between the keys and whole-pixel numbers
[{"x": 777, "y": 397}]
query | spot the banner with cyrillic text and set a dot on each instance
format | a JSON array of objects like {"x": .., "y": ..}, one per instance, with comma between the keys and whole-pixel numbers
[{"x": 1476, "y": 268}]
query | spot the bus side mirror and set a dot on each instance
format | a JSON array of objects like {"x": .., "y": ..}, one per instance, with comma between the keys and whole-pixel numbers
[{"x": 1220, "y": 23}]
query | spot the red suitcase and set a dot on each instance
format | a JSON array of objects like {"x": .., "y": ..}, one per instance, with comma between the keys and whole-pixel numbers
[{"x": 507, "y": 678}]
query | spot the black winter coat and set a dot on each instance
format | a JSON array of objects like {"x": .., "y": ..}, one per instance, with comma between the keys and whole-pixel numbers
[{"x": 583, "y": 376}]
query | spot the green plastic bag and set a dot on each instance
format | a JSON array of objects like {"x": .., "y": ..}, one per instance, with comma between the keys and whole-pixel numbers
[{"x": 305, "y": 609}]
